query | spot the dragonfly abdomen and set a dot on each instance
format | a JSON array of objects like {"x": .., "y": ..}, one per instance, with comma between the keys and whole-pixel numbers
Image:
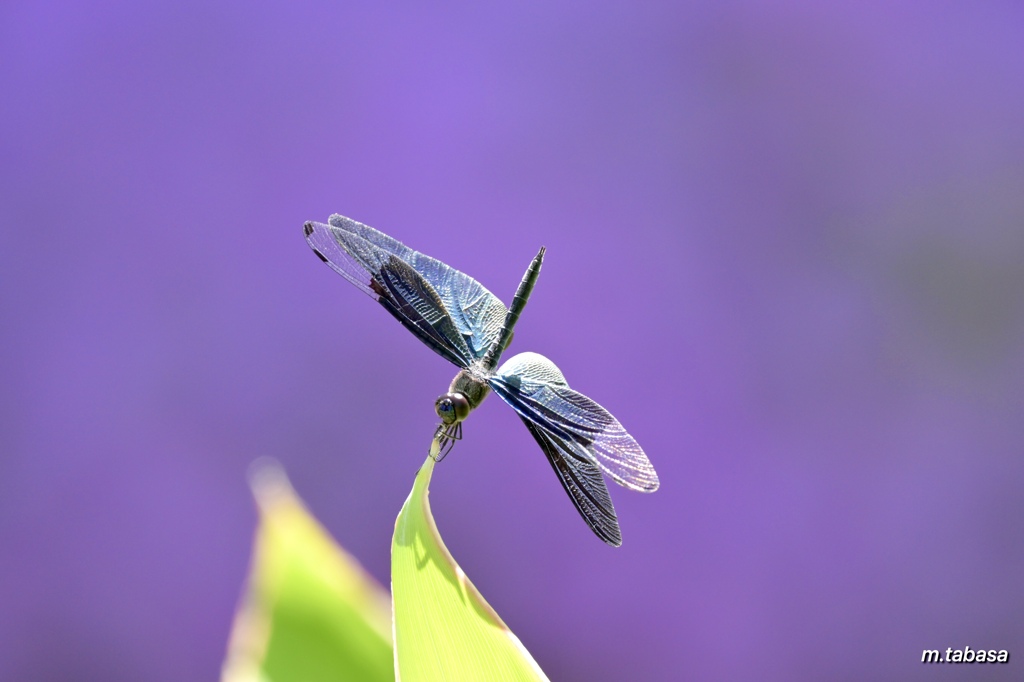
[{"x": 523, "y": 291}]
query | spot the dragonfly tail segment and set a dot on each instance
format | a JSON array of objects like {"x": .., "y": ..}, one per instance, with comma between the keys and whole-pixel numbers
[{"x": 490, "y": 359}]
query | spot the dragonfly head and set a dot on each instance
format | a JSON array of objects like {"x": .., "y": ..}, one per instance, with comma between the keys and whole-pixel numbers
[{"x": 452, "y": 407}]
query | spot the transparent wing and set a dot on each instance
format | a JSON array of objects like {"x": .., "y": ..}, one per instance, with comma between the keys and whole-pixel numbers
[
  {"x": 476, "y": 312},
  {"x": 582, "y": 480},
  {"x": 536, "y": 389},
  {"x": 395, "y": 284}
]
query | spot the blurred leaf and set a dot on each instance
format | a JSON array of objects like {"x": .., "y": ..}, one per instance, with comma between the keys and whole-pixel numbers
[
  {"x": 444, "y": 629},
  {"x": 311, "y": 612}
]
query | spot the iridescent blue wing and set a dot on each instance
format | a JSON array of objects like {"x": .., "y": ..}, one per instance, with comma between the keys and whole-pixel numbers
[
  {"x": 579, "y": 437},
  {"x": 536, "y": 389},
  {"x": 475, "y": 312},
  {"x": 449, "y": 311}
]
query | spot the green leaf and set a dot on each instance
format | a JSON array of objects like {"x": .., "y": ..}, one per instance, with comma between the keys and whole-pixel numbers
[
  {"x": 311, "y": 612},
  {"x": 443, "y": 627}
]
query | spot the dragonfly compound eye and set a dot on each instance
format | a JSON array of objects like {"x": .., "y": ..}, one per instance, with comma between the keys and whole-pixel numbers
[
  {"x": 452, "y": 407},
  {"x": 445, "y": 410}
]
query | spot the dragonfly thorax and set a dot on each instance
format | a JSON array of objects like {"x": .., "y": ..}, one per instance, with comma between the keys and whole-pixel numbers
[{"x": 466, "y": 392}]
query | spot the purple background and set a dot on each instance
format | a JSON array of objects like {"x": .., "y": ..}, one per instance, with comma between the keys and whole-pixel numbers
[{"x": 785, "y": 248}]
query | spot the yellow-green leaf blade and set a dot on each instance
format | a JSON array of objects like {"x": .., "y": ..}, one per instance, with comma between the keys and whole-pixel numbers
[
  {"x": 443, "y": 627},
  {"x": 311, "y": 612}
]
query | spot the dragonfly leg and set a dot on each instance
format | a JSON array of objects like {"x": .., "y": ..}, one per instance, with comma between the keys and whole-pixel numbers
[{"x": 446, "y": 435}]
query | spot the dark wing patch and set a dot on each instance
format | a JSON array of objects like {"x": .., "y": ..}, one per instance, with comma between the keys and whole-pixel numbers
[
  {"x": 582, "y": 480},
  {"x": 416, "y": 305}
]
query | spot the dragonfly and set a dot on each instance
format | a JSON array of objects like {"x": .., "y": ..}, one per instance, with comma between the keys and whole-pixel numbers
[{"x": 467, "y": 325}]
